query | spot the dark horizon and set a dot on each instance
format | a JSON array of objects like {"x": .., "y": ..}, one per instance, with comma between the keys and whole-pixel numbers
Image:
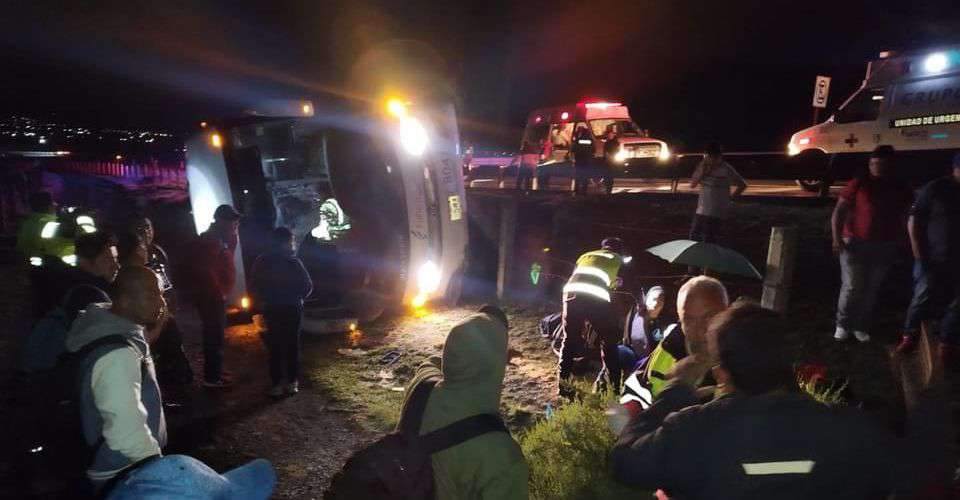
[{"x": 742, "y": 74}]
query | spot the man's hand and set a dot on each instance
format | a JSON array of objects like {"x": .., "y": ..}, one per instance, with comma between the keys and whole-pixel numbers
[{"x": 691, "y": 369}]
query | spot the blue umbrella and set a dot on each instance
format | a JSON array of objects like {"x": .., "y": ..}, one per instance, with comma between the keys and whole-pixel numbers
[{"x": 708, "y": 255}]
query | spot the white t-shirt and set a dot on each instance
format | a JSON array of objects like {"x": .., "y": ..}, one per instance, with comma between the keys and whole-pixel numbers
[{"x": 716, "y": 177}]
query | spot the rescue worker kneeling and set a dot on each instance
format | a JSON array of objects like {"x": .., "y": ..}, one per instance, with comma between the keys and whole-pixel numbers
[{"x": 586, "y": 299}]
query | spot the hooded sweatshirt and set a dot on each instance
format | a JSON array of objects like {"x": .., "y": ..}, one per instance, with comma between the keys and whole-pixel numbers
[
  {"x": 490, "y": 466},
  {"x": 119, "y": 397}
]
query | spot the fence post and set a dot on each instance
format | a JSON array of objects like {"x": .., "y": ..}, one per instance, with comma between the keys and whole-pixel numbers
[
  {"x": 508, "y": 231},
  {"x": 778, "y": 279}
]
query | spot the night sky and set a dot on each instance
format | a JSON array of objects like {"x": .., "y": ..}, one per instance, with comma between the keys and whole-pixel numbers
[{"x": 738, "y": 71}]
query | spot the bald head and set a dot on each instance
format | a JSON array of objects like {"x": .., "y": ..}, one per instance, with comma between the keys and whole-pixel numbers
[
  {"x": 699, "y": 300},
  {"x": 138, "y": 296}
]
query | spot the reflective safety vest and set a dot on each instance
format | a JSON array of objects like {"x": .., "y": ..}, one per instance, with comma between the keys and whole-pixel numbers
[
  {"x": 596, "y": 271},
  {"x": 662, "y": 360},
  {"x": 40, "y": 236}
]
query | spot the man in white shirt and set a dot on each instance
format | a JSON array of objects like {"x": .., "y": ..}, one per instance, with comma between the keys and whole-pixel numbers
[{"x": 713, "y": 176}]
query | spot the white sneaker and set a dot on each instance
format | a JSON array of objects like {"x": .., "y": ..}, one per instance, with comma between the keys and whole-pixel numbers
[
  {"x": 275, "y": 391},
  {"x": 861, "y": 336},
  {"x": 293, "y": 388},
  {"x": 841, "y": 334}
]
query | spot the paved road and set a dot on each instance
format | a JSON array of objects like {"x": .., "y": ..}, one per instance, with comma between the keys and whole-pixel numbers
[{"x": 765, "y": 187}]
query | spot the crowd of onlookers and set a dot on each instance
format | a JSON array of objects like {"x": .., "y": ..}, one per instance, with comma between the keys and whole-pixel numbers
[{"x": 722, "y": 414}]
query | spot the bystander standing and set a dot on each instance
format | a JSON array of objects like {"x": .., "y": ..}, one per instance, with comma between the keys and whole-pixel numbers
[{"x": 713, "y": 176}]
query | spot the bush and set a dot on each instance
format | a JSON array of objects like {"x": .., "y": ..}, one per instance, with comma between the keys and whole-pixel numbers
[{"x": 569, "y": 455}]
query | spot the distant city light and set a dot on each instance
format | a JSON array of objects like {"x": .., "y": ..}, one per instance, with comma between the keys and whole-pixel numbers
[
  {"x": 118, "y": 157},
  {"x": 215, "y": 140},
  {"x": 936, "y": 62},
  {"x": 42, "y": 140},
  {"x": 307, "y": 109},
  {"x": 203, "y": 124}
]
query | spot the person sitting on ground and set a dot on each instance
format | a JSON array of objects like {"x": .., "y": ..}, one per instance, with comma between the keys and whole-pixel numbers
[
  {"x": 643, "y": 330},
  {"x": 180, "y": 476},
  {"x": 278, "y": 285},
  {"x": 470, "y": 372},
  {"x": 119, "y": 399},
  {"x": 762, "y": 438},
  {"x": 699, "y": 300}
]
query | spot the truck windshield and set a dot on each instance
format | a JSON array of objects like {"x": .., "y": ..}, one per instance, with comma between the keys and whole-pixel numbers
[{"x": 620, "y": 126}]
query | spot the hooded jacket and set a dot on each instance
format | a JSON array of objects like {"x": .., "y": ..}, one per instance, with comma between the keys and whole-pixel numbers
[
  {"x": 490, "y": 466},
  {"x": 119, "y": 398},
  {"x": 279, "y": 280}
]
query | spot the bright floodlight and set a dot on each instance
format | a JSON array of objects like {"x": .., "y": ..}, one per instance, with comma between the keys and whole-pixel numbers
[
  {"x": 397, "y": 108},
  {"x": 936, "y": 63},
  {"x": 428, "y": 277},
  {"x": 216, "y": 141},
  {"x": 307, "y": 109},
  {"x": 413, "y": 136}
]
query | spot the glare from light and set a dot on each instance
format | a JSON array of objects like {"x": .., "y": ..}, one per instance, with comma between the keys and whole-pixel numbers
[
  {"x": 664, "y": 153},
  {"x": 621, "y": 155},
  {"x": 322, "y": 231},
  {"x": 936, "y": 62},
  {"x": 42, "y": 140},
  {"x": 804, "y": 141},
  {"x": 307, "y": 109},
  {"x": 203, "y": 124},
  {"x": 215, "y": 140},
  {"x": 538, "y": 119},
  {"x": 85, "y": 219},
  {"x": 413, "y": 136},
  {"x": 245, "y": 302},
  {"x": 627, "y": 259},
  {"x": 49, "y": 230},
  {"x": 71, "y": 210},
  {"x": 602, "y": 105},
  {"x": 70, "y": 260},
  {"x": 36, "y": 261},
  {"x": 118, "y": 157},
  {"x": 38, "y": 449},
  {"x": 352, "y": 327},
  {"x": 397, "y": 108},
  {"x": 428, "y": 278},
  {"x": 419, "y": 301},
  {"x": 87, "y": 228},
  {"x": 878, "y": 98},
  {"x": 564, "y": 115}
]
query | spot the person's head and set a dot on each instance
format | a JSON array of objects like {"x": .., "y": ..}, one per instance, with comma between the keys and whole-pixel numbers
[
  {"x": 746, "y": 342},
  {"x": 143, "y": 227},
  {"x": 880, "y": 160},
  {"x": 283, "y": 240},
  {"x": 138, "y": 295},
  {"x": 42, "y": 202},
  {"x": 612, "y": 244},
  {"x": 97, "y": 254},
  {"x": 226, "y": 219},
  {"x": 131, "y": 250},
  {"x": 475, "y": 359},
  {"x": 653, "y": 301},
  {"x": 956, "y": 167},
  {"x": 699, "y": 300},
  {"x": 713, "y": 150}
]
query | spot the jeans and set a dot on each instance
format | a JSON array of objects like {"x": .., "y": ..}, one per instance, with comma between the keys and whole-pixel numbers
[
  {"x": 283, "y": 343},
  {"x": 577, "y": 310},
  {"x": 863, "y": 267},
  {"x": 213, "y": 316},
  {"x": 936, "y": 293}
]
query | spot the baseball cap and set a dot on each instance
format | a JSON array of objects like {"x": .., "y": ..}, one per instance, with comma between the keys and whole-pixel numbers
[
  {"x": 226, "y": 212},
  {"x": 180, "y": 476}
]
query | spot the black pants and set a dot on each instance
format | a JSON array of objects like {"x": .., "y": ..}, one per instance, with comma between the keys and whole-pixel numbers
[
  {"x": 213, "y": 316},
  {"x": 524, "y": 178},
  {"x": 579, "y": 310},
  {"x": 171, "y": 362},
  {"x": 283, "y": 343},
  {"x": 704, "y": 228}
]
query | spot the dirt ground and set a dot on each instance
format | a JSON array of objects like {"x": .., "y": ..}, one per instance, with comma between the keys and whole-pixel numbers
[{"x": 351, "y": 393}]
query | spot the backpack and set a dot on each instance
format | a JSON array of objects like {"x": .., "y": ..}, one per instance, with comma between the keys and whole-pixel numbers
[
  {"x": 398, "y": 466},
  {"x": 52, "y": 441}
]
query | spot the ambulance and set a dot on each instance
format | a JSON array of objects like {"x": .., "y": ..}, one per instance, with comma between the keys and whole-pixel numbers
[
  {"x": 551, "y": 130},
  {"x": 373, "y": 195},
  {"x": 910, "y": 101}
]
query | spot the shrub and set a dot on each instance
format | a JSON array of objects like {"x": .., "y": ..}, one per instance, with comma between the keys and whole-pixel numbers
[{"x": 569, "y": 455}]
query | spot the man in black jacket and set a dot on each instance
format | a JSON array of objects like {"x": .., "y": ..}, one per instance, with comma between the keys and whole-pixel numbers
[
  {"x": 279, "y": 283},
  {"x": 762, "y": 438}
]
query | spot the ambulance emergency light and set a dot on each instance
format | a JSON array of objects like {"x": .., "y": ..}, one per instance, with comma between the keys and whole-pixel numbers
[{"x": 937, "y": 62}]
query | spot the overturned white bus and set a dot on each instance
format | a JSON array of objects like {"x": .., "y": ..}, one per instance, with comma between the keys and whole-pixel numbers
[{"x": 374, "y": 197}]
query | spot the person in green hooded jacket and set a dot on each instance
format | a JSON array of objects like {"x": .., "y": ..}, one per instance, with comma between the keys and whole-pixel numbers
[{"x": 471, "y": 370}]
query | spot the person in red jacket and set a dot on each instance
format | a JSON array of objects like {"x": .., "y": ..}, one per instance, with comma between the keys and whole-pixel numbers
[{"x": 216, "y": 277}]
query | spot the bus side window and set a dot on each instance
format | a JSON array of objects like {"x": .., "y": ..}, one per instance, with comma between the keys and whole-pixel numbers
[{"x": 863, "y": 107}]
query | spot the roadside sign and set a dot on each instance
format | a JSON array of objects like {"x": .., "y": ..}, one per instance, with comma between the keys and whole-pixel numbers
[{"x": 821, "y": 90}]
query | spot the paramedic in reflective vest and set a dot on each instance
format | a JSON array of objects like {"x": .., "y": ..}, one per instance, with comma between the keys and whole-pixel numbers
[
  {"x": 40, "y": 242},
  {"x": 586, "y": 298}
]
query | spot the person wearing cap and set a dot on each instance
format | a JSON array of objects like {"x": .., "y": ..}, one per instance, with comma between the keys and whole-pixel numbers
[
  {"x": 216, "y": 277},
  {"x": 868, "y": 226},
  {"x": 183, "y": 477},
  {"x": 586, "y": 298},
  {"x": 934, "y": 228}
]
